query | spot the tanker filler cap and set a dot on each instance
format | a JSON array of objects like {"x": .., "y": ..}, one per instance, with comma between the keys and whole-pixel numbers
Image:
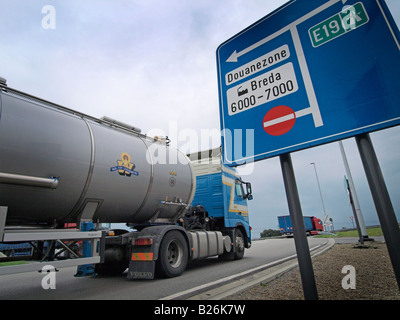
[{"x": 3, "y": 81}]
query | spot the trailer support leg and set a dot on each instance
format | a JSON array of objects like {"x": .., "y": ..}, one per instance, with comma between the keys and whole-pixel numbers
[{"x": 87, "y": 250}]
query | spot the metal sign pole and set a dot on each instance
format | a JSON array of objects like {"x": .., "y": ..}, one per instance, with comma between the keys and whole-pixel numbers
[
  {"x": 352, "y": 191},
  {"x": 382, "y": 200},
  {"x": 299, "y": 230},
  {"x": 360, "y": 235}
]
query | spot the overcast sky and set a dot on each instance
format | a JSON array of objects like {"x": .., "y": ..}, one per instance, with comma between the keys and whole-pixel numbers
[{"x": 152, "y": 64}]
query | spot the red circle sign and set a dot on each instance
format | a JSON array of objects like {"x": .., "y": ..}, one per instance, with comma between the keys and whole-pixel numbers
[{"x": 279, "y": 120}]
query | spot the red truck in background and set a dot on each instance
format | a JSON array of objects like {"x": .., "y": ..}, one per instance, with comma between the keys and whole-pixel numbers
[{"x": 312, "y": 224}]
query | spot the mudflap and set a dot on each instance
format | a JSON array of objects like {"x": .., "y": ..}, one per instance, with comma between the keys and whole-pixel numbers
[{"x": 141, "y": 269}]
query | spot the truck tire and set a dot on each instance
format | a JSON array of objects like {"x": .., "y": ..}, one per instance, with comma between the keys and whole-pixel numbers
[
  {"x": 173, "y": 255},
  {"x": 239, "y": 244}
]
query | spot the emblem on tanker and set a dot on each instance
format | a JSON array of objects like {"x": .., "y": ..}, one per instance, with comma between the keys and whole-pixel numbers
[{"x": 125, "y": 167}]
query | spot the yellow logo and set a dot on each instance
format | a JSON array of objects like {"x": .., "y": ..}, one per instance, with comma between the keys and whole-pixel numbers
[{"x": 125, "y": 166}]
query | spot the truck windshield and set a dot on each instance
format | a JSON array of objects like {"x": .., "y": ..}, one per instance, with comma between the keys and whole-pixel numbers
[{"x": 239, "y": 189}]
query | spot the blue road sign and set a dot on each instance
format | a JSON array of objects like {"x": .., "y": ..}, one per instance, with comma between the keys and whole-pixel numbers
[{"x": 309, "y": 73}]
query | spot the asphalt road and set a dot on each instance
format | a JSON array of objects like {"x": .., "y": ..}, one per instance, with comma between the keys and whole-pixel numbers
[{"x": 198, "y": 274}]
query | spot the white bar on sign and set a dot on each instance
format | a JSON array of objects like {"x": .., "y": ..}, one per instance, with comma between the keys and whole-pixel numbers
[{"x": 278, "y": 120}]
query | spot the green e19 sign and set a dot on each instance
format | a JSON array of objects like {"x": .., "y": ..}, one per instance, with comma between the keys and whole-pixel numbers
[{"x": 350, "y": 18}]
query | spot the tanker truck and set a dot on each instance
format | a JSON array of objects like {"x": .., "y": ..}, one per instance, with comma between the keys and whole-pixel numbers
[{"x": 62, "y": 167}]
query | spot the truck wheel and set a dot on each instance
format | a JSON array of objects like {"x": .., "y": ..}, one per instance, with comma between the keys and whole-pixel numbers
[
  {"x": 239, "y": 243},
  {"x": 173, "y": 255}
]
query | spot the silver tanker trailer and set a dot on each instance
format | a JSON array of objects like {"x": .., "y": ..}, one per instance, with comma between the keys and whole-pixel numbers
[{"x": 61, "y": 168}]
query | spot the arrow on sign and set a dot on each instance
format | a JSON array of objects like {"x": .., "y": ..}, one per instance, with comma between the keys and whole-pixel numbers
[{"x": 235, "y": 55}]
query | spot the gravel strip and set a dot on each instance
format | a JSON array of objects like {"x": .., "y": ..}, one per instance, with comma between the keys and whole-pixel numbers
[{"x": 374, "y": 278}]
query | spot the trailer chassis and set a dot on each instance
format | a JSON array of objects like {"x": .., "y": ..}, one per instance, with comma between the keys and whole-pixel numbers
[{"x": 94, "y": 243}]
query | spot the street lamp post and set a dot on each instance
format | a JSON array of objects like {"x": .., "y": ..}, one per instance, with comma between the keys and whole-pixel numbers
[{"x": 319, "y": 187}]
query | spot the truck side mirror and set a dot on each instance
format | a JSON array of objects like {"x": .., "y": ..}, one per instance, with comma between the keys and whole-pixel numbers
[
  {"x": 248, "y": 188},
  {"x": 249, "y": 195}
]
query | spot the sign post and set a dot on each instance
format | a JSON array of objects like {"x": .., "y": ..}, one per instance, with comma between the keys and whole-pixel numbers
[
  {"x": 353, "y": 195},
  {"x": 351, "y": 199},
  {"x": 383, "y": 204},
  {"x": 299, "y": 230}
]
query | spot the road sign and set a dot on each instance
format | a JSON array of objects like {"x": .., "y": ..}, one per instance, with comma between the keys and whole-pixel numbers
[{"x": 309, "y": 73}]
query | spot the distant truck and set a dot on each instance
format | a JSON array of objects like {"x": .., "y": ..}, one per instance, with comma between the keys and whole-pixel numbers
[
  {"x": 313, "y": 225},
  {"x": 16, "y": 249}
]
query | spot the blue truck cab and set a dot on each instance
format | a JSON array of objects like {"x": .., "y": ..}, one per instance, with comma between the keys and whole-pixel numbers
[{"x": 224, "y": 195}]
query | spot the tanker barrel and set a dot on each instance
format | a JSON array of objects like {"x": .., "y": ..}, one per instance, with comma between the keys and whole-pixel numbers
[{"x": 55, "y": 162}]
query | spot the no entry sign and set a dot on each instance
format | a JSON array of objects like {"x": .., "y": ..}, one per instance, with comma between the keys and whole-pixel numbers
[
  {"x": 309, "y": 73},
  {"x": 279, "y": 120}
]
